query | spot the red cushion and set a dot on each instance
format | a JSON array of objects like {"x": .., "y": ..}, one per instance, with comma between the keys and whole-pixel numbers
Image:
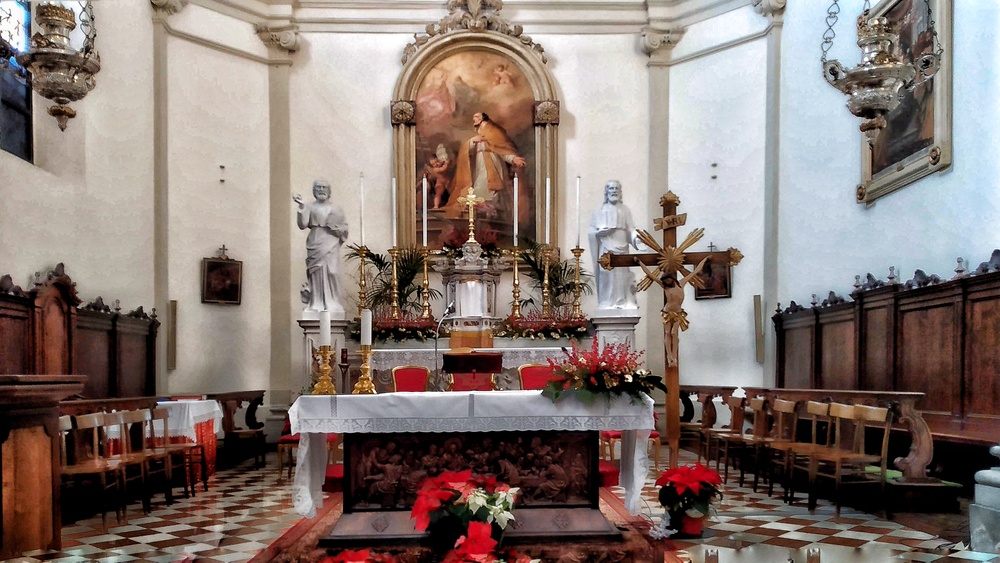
[
  {"x": 535, "y": 377},
  {"x": 608, "y": 472},
  {"x": 410, "y": 378},
  {"x": 332, "y": 438},
  {"x": 611, "y": 434},
  {"x": 334, "y": 481},
  {"x": 654, "y": 434},
  {"x": 289, "y": 439}
]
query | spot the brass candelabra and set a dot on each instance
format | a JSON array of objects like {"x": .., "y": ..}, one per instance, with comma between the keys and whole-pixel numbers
[
  {"x": 425, "y": 303},
  {"x": 394, "y": 307},
  {"x": 362, "y": 284},
  {"x": 577, "y": 312},
  {"x": 365, "y": 386},
  {"x": 546, "y": 296},
  {"x": 324, "y": 383},
  {"x": 515, "y": 307}
]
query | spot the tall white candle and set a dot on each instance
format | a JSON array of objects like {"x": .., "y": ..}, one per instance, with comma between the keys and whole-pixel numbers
[
  {"x": 578, "y": 213},
  {"x": 324, "y": 328},
  {"x": 362, "y": 221},
  {"x": 425, "y": 210},
  {"x": 392, "y": 218},
  {"x": 366, "y": 327},
  {"x": 516, "y": 210},
  {"x": 548, "y": 203}
]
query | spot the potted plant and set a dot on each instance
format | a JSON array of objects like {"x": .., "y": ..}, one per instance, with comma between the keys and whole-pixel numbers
[{"x": 687, "y": 493}]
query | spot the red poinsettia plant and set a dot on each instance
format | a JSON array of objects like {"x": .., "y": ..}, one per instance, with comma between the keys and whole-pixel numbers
[
  {"x": 686, "y": 492},
  {"x": 613, "y": 368},
  {"x": 361, "y": 556},
  {"x": 478, "y": 546}
]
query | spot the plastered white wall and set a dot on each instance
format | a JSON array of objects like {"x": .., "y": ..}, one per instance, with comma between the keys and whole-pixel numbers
[
  {"x": 716, "y": 167},
  {"x": 825, "y": 237},
  {"x": 218, "y": 116},
  {"x": 87, "y": 200}
]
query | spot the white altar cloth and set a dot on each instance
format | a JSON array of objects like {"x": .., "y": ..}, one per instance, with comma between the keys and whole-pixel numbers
[
  {"x": 186, "y": 414},
  {"x": 312, "y": 416}
]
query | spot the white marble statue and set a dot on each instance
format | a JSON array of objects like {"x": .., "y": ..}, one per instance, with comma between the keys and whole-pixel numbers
[
  {"x": 612, "y": 230},
  {"x": 327, "y": 233}
]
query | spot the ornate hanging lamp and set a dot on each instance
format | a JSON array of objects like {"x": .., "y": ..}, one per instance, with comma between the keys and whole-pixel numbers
[
  {"x": 873, "y": 87},
  {"x": 52, "y": 66}
]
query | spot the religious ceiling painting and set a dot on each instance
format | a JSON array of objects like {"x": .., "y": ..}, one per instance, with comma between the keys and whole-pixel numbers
[
  {"x": 474, "y": 106},
  {"x": 475, "y": 127},
  {"x": 916, "y": 140}
]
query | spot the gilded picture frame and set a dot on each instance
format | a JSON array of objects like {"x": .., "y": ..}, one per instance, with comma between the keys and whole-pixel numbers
[
  {"x": 221, "y": 281},
  {"x": 444, "y": 88},
  {"x": 917, "y": 139}
]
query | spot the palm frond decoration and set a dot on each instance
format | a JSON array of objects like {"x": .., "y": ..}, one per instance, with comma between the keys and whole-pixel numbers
[
  {"x": 409, "y": 274},
  {"x": 561, "y": 278}
]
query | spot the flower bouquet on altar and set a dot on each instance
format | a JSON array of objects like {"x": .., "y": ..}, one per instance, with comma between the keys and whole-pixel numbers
[
  {"x": 601, "y": 371},
  {"x": 448, "y": 505},
  {"x": 686, "y": 492}
]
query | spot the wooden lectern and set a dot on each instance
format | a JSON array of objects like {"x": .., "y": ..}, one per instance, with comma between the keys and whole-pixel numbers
[
  {"x": 29, "y": 432},
  {"x": 472, "y": 371}
]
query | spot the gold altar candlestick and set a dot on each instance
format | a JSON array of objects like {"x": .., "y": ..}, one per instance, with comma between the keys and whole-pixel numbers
[
  {"x": 364, "y": 386},
  {"x": 394, "y": 307},
  {"x": 577, "y": 312},
  {"x": 425, "y": 303},
  {"x": 324, "y": 384},
  {"x": 362, "y": 284},
  {"x": 546, "y": 297},
  {"x": 515, "y": 308},
  {"x": 470, "y": 200}
]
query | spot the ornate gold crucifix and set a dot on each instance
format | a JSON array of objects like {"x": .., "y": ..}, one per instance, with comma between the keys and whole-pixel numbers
[
  {"x": 470, "y": 200},
  {"x": 670, "y": 259}
]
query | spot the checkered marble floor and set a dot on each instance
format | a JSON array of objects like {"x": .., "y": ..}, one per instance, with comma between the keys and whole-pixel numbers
[
  {"x": 749, "y": 526},
  {"x": 245, "y": 510}
]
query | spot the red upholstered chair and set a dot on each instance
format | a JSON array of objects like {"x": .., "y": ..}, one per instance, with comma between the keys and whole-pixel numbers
[
  {"x": 534, "y": 376},
  {"x": 288, "y": 442},
  {"x": 611, "y": 437},
  {"x": 410, "y": 378}
]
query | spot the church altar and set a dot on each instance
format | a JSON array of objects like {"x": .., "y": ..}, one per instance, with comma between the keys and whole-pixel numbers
[{"x": 312, "y": 416}]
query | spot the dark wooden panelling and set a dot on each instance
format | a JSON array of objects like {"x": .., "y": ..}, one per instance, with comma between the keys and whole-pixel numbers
[
  {"x": 799, "y": 358},
  {"x": 942, "y": 340},
  {"x": 95, "y": 352},
  {"x": 837, "y": 356},
  {"x": 983, "y": 353},
  {"x": 16, "y": 343},
  {"x": 132, "y": 365}
]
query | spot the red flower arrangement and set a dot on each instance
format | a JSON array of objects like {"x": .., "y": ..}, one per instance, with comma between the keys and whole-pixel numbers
[
  {"x": 360, "y": 556},
  {"x": 533, "y": 325},
  {"x": 448, "y": 505},
  {"x": 687, "y": 493},
  {"x": 613, "y": 368}
]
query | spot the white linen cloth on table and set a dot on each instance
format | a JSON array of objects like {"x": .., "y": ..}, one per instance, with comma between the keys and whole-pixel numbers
[
  {"x": 312, "y": 416},
  {"x": 188, "y": 413}
]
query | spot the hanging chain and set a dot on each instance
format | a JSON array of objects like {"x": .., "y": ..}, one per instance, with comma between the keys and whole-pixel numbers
[
  {"x": 932, "y": 26},
  {"x": 87, "y": 26},
  {"x": 832, "y": 14}
]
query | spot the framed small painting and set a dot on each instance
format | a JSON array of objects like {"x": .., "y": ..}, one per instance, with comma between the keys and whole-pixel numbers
[
  {"x": 717, "y": 281},
  {"x": 916, "y": 141},
  {"x": 221, "y": 281}
]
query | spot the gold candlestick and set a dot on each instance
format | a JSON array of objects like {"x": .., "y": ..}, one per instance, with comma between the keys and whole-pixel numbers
[
  {"x": 515, "y": 308},
  {"x": 365, "y": 386},
  {"x": 425, "y": 303},
  {"x": 546, "y": 297},
  {"x": 394, "y": 307},
  {"x": 362, "y": 284},
  {"x": 577, "y": 312},
  {"x": 470, "y": 199},
  {"x": 324, "y": 384}
]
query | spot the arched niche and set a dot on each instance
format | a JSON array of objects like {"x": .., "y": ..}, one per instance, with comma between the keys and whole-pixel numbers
[{"x": 459, "y": 73}]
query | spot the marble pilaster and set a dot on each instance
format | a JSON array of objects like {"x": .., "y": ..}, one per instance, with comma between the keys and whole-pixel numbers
[{"x": 984, "y": 513}]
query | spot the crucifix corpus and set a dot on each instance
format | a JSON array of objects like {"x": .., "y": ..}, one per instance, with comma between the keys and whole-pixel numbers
[{"x": 669, "y": 260}]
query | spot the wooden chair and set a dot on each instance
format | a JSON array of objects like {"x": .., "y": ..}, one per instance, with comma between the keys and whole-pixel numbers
[
  {"x": 534, "y": 376},
  {"x": 190, "y": 453},
  {"x": 845, "y": 462},
  {"x": 86, "y": 460},
  {"x": 126, "y": 456},
  {"x": 713, "y": 435},
  {"x": 776, "y": 449},
  {"x": 798, "y": 453},
  {"x": 410, "y": 378},
  {"x": 750, "y": 445}
]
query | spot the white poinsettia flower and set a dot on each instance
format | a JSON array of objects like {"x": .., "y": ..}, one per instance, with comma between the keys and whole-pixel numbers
[
  {"x": 477, "y": 500},
  {"x": 502, "y": 518}
]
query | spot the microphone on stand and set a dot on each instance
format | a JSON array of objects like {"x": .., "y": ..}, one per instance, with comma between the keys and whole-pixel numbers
[{"x": 449, "y": 310}]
